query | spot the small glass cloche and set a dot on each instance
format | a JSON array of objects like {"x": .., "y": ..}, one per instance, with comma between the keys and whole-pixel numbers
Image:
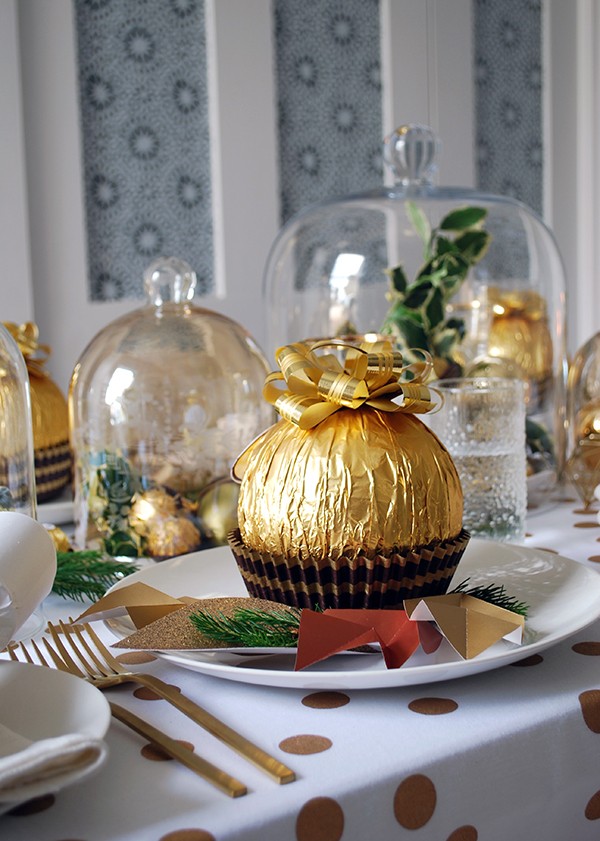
[
  {"x": 160, "y": 404},
  {"x": 474, "y": 278}
]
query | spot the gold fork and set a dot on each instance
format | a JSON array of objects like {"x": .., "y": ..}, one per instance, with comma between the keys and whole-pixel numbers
[
  {"x": 104, "y": 671},
  {"x": 205, "y": 769}
]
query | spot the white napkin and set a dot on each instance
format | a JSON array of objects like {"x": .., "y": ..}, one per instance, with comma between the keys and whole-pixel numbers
[{"x": 29, "y": 769}]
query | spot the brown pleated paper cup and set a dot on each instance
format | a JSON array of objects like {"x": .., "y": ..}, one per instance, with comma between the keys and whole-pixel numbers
[{"x": 358, "y": 582}]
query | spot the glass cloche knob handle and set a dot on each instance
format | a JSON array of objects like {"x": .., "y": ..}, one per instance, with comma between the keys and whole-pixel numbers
[
  {"x": 169, "y": 279},
  {"x": 410, "y": 151}
]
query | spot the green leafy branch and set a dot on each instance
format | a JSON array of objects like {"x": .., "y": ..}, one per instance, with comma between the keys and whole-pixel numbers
[
  {"x": 417, "y": 313},
  {"x": 87, "y": 574},
  {"x": 112, "y": 487}
]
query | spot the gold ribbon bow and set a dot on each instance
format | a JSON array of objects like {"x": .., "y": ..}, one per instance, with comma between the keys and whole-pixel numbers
[
  {"x": 35, "y": 354},
  {"x": 317, "y": 385}
]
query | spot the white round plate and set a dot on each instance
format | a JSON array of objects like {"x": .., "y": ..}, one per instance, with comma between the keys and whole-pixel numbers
[
  {"x": 42, "y": 703},
  {"x": 563, "y": 598}
]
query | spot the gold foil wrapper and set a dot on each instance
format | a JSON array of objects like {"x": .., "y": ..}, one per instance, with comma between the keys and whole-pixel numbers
[
  {"x": 350, "y": 582},
  {"x": 362, "y": 481}
]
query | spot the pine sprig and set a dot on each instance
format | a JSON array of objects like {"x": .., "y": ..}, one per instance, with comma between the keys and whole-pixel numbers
[
  {"x": 250, "y": 628},
  {"x": 87, "y": 574},
  {"x": 493, "y": 594}
]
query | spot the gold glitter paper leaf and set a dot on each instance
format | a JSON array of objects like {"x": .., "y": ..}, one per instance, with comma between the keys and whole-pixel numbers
[{"x": 176, "y": 631}]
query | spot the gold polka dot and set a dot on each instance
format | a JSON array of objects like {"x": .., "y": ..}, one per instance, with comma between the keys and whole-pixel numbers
[
  {"x": 592, "y": 810},
  {"x": 156, "y": 754},
  {"x": 585, "y": 511},
  {"x": 135, "y": 658},
  {"x": 590, "y": 707},
  {"x": 545, "y": 549},
  {"x": 320, "y": 819},
  {"x": 594, "y": 558},
  {"x": 305, "y": 744},
  {"x": 326, "y": 700},
  {"x": 528, "y": 534},
  {"x": 32, "y": 807},
  {"x": 589, "y": 648},
  {"x": 587, "y": 524},
  {"x": 414, "y": 801},
  {"x": 188, "y": 835},
  {"x": 464, "y": 833},
  {"x": 433, "y": 706},
  {"x": 533, "y": 660},
  {"x": 144, "y": 693}
]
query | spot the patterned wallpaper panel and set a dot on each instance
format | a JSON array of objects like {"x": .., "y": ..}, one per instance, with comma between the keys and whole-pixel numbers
[
  {"x": 508, "y": 88},
  {"x": 329, "y": 99},
  {"x": 143, "y": 99},
  {"x": 144, "y": 118}
]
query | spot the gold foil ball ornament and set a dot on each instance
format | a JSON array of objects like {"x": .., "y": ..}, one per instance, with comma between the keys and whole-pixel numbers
[
  {"x": 587, "y": 420},
  {"x": 149, "y": 508},
  {"x": 59, "y": 538},
  {"x": 520, "y": 332},
  {"x": 217, "y": 510},
  {"x": 172, "y": 536},
  {"x": 362, "y": 481}
]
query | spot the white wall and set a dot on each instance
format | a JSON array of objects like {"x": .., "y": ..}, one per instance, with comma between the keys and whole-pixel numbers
[
  {"x": 427, "y": 76},
  {"x": 572, "y": 149},
  {"x": 15, "y": 275}
]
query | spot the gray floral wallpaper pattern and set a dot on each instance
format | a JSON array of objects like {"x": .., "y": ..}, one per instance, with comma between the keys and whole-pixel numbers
[
  {"x": 144, "y": 119},
  {"x": 146, "y": 149},
  {"x": 508, "y": 89},
  {"x": 329, "y": 99}
]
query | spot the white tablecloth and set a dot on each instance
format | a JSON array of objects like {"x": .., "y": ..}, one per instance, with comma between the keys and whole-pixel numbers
[{"x": 513, "y": 753}]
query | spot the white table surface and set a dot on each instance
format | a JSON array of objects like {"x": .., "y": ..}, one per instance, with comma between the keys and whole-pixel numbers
[{"x": 514, "y": 758}]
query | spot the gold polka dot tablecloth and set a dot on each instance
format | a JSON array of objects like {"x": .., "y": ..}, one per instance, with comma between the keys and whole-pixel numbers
[{"x": 513, "y": 753}]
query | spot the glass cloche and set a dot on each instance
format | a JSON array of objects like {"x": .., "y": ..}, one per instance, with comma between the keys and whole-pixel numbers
[
  {"x": 160, "y": 404},
  {"x": 475, "y": 278},
  {"x": 17, "y": 461}
]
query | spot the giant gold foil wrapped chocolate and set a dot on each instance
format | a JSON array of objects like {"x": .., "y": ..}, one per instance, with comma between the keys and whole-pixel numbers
[
  {"x": 361, "y": 481},
  {"x": 349, "y": 501}
]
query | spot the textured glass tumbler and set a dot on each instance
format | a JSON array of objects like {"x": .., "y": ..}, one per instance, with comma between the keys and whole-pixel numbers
[{"x": 482, "y": 424}]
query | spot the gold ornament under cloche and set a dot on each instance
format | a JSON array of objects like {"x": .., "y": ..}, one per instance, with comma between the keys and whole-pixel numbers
[
  {"x": 49, "y": 415},
  {"x": 520, "y": 333}
]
